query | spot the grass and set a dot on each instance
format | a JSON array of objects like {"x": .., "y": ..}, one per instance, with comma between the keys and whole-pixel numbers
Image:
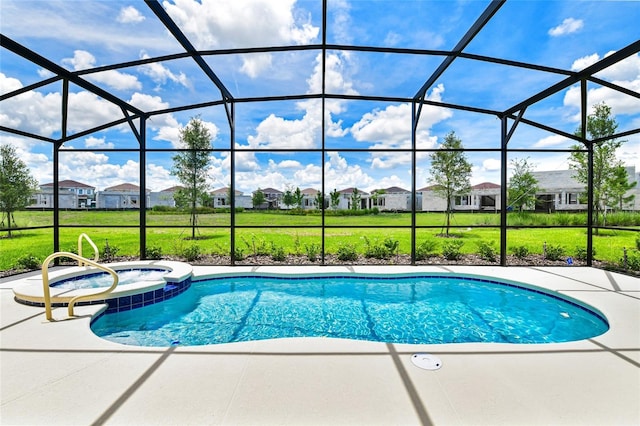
[{"x": 269, "y": 230}]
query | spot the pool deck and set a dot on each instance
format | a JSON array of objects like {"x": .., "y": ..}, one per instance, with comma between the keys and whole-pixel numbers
[{"x": 61, "y": 373}]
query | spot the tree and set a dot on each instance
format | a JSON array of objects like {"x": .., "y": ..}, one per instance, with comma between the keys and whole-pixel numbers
[
  {"x": 319, "y": 200},
  {"x": 16, "y": 184},
  {"x": 600, "y": 125},
  {"x": 258, "y": 198},
  {"x": 450, "y": 172},
  {"x": 523, "y": 186},
  {"x": 228, "y": 197},
  {"x": 190, "y": 167},
  {"x": 287, "y": 198},
  {"x": 618, "y": 187},
  {"x": 335, "y": 199},
  {"x": 298, "y": 198},
  {"x": 375, "y": 195},
  {"x": 355, "y": 199}
]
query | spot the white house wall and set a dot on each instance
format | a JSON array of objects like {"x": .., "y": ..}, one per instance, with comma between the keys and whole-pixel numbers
[
  {"x": 431, "y": 202},
  {"x": 394, "y": 202},
  {"x": 161, "y": 199},
  {"x": 44, "y": 200}
]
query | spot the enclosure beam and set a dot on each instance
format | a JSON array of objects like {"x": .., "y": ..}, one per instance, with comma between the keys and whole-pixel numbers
[
  {"x": 232, "y": 185},
  {"x": 414, "y": 126},
  {"x": 33, "y": 57},
  {"x": 612, "y": 59},
  {"x": 488, "y": 13},
  {"x": 589, "y": 144},
  {"x": 503, "y": 189},
  {"x": 142, "y": 139},
  {"x": 323, "y": 188},
  {"x": 186, "y": 44}
]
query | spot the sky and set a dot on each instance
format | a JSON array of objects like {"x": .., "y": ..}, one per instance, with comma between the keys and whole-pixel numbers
[{"x": 80, "y": 35}]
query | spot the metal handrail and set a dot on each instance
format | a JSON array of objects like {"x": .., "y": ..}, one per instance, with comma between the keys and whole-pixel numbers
[
  {"x": 96, "y": 254},
  {"x": 81, "y": 260}
]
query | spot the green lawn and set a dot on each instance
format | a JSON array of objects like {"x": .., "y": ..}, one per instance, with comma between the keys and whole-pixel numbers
[{"x": 267, "y": 228}]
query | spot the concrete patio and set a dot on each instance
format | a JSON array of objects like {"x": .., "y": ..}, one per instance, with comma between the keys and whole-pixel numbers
[{"x": 61, "y": 373}]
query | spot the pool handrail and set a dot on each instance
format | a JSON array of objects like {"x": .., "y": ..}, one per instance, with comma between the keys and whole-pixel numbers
[
  {"x": 96, "y": 254},
  {"x": 82, "y": 297}
]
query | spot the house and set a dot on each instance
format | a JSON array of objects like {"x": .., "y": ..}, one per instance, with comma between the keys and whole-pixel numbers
[
  {"x": 485, "y": 197},
  {"x": 123, "y": 196},
  {"x": 481, "y": 197},
  {"x": 164, "y": 197},
  {"x": 558, "y": 190},
  {"x": 432, "y": 201},
  {"x": 273, "y": 198},
  {"x": 346, "y": 198},
  {"x": 220, "y": 199},
  {"x": 310, "y": 199},
  {"x": 390, "y": 199},
  {"x": 71, "y": 195}
]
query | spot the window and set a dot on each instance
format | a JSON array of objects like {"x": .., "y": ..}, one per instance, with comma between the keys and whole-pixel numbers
[
  {"x": 571, "y": 198},
  {"x": 462, "y": 200}
]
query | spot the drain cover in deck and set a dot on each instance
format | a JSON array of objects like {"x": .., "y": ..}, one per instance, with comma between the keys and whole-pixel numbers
[{"x": 426, "y": 361}]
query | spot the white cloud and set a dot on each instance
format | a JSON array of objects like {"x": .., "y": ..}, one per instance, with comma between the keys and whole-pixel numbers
[
  {"x": 553, "y": 140},
  {"x": 383, "y": 161},
  {"x": 32, "y": 111},
  {"x": 341, "y": 23},
  {"x": 584, "y": 62},
  {"x": 160, "y": 74},
  {"x": 167, "y": 128},
  {"x": 392, "y": 39},
  {"x": 339, "y": 174},
  {"x": 568, "y": 26},
  {"x": 625, "y": 73},
  {"x": 9, "y": 84},
  {"x": 390, "y": 129},
  {"x": 75, "y": 23},
  {"x": 627, "y": 70},
  {"x": 43, "y": 73},
  {"x": 309, "y": 176},
  {"x": 288, "y": 164},
  {"x": 129, "y": 15},
  {"x": 159, "y": 178},
  {"x": 245, "y": 162},
  {"x": 227, "y": 23},
  {"x": 255, "y": 64},
  {"x": 491, "y": 164},
  {"x": 87, "y": 110},
  {"x": 93, "y": 142},
  {"x": 40, "y": 167},
  {"x": 304, "y": 132},
  {"x": 335, "y": 81},
  {"x": 97, "y": 170},
  {"x": 120, "y": 81}
]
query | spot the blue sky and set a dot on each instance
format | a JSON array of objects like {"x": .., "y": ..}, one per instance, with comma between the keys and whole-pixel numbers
[{"x": 81, "y": 35}]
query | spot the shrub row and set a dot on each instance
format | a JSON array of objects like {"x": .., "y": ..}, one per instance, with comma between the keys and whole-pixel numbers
[{"x": 347, "y": 252}]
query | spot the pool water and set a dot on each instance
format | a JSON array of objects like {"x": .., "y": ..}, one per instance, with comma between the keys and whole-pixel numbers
[
  {"x": 103, "y": 279},
  {"x": 419, "y": 310}
]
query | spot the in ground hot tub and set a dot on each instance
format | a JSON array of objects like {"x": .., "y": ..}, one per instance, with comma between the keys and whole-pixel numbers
[{"x": 141, "y": 283}]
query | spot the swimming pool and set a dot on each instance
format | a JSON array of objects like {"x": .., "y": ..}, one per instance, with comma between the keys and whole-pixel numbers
[{"x": 434, "y": 308}]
